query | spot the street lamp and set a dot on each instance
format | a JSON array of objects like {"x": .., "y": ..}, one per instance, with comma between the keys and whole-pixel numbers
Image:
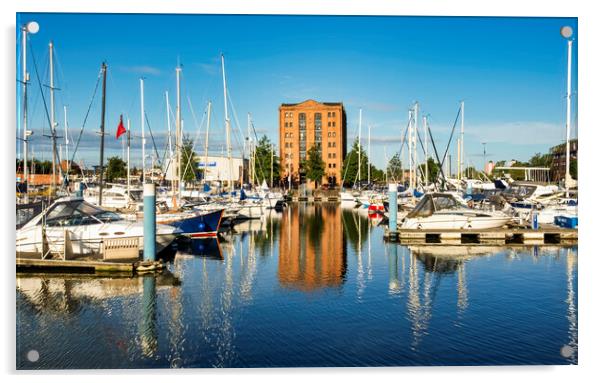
[
  {"x": 567, "y": 33},
  {"x": 33, "y": 28}
]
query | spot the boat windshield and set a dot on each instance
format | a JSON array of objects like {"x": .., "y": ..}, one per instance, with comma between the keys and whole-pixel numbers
[
  {"x": 519, "y": 191},
  {"x": 136, "y": 195},
  {"x": 432, "y": 203},
  {"x": 77, "y": 213}
]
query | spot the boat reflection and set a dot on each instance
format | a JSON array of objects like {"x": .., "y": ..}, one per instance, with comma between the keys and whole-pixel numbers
[
  {"x": 202, "y": 247},
  {"x": 312, "y": 253}
]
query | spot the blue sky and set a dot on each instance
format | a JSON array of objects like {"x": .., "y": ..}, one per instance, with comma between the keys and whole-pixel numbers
[{"x": 511, "y": 73}]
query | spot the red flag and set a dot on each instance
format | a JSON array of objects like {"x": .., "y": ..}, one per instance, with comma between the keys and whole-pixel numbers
[{"x": 120, "y": 128}]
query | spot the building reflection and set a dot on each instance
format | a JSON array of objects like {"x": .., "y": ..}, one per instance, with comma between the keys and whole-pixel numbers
[{"x": 312, "y": 252}]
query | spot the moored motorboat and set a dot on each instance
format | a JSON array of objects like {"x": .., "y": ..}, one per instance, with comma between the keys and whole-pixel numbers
[
  {"x": 87, "y": 226},
  {"x": 444, "y": 211}
]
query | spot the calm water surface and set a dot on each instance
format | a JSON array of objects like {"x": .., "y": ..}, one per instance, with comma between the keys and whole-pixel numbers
[{"x": 312, "y": 286}]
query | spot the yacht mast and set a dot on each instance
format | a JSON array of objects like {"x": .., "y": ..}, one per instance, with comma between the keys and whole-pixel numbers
[
  {"x": 426, "y": 153},
  {"x": 227, "y": 120},
  {"x": 53, "y": 123},
  {"x": 142, "y": 129},
  {"x": 461, "y": 138},
  {"x": 359, "y": 150},
  {"x": 128, "y": 158},
  {"x": 369, "y": 153},
  {"x": 178, "y": 134},
  {"x": 567, "y": 161},
  {"x": 207, "y": 140},
  {"x": 102, "y": 129},
  {"x": 66, "y": 141}
]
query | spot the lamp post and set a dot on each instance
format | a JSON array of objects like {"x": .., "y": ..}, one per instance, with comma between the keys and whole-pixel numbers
[
  {"x": 567, "y": 33},
  {"x": 33, "y": 28}
]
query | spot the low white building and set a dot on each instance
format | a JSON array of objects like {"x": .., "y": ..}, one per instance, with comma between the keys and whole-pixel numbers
[{"x": 218, "y": 168}]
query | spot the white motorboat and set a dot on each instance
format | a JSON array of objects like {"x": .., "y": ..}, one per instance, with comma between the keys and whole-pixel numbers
[
  {"x": 87, "y": 226},
  {"x": 115, "y": 197},
  {"x": 443, "y": 211}
]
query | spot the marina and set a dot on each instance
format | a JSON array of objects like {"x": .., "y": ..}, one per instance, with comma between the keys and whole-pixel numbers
[
  {"x": 268, "y": 293},
  {"x": 188, "y": 216}
]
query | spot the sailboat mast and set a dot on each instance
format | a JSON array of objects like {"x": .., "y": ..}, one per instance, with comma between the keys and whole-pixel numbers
[
  {"x": 169, "y": 144},
  {"x": 410, "y": 166},
  {"x": 66, "y": 140},
  {"x": 461, "y": 138},
  {"x": 249, "y": 147},
  {"x": 178, "y": 130},
  {"x": 426, "y": 153},
  {"x": 415, "y": 146},
  {"x": 128, "y": 158},
  {"x": 227, "y": 120},
  {"x": 207, "y": 140},
  {"x": 102, "y": 129},
  {"x": 567, "y": 161},
  {"x": 52, "y": 116},
  {"x": 359, "y": 150},
  {"x": 369, "y": 152},
  {"x": 142, "y": 130}
]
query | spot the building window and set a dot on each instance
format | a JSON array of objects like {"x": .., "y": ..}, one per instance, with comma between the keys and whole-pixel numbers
[
  {"x": 334, "y": 123},
  {"x": 334, "y": 144},
  {"x": 302, "y": 137},
  {"x": 334, "y": 134},
  {"x": 318, "y": 131}
]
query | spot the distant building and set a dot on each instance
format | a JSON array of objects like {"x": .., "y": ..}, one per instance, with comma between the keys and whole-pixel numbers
[
  {"x": 310, "y": 123},
  {"x": 558, "y": 167},
  {"x": 218, "y": 168}
]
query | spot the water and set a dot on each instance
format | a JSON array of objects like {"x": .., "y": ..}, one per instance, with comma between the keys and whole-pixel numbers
[{"x": 312, "y": 286}]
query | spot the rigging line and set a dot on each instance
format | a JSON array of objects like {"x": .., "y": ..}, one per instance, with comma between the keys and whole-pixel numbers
[
  {"x": 191, "y": 157},
  {"x": 52, "y": 130},
  {"x": 452, "y": 134},
  {"x": 403, "y": 140},
  {"x": 240, "y": 134},
  {"x": 81, "y": 131},
  {"x": 437, "y": 156},
  {"x": 152, "y": 136}
]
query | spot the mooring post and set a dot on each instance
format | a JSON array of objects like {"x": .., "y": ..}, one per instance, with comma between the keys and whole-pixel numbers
[
  {"x": 150, "y": 222},
  {"x": 392, "y": 209},
  {"x": 79, "y": 191}
]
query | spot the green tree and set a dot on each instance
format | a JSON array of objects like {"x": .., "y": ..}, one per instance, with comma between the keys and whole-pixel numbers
[
  {"x": 264, "y": 165},
  {"x": 116, "y": 168},
  {"x": 189, "y": 166},
  {"x": 433, "y": 170},
  {"x": 349, "y": 172},
  {"x": 394, "y": 169},
  {"x": 573, "y": 168},
  {"x": 314, "y": 167},
  {"x": 376, "y": 175},
  {"x": 541, "y": 160}
]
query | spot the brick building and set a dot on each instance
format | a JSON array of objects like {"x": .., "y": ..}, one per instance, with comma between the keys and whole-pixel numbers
[
  {"x": 310, "y": 123},
  {"x": 558, "y": 153}
]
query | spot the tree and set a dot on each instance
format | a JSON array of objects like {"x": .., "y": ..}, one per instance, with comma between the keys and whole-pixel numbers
[
  {"x": 433, "y": 170},
  {"x": 189, "y": 166},
  {"x": 376, "y": 175},
  {"x": 264, "y": 166},
  {"x": 349, "y": 172},
  {"x": 116, "y": 168},
  {"x": 541, "y": 160},
  {"x": 314, "y": 167},
  {"x": 394, "y": 169}
]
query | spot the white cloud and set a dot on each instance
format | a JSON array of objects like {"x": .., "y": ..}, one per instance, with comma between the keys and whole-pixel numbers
[{"x": 141, "y": 69}]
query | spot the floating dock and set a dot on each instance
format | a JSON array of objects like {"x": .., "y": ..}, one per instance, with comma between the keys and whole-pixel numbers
[
  {"x": 547, "y": 234},
  {"x": 86, "y": 266}
]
